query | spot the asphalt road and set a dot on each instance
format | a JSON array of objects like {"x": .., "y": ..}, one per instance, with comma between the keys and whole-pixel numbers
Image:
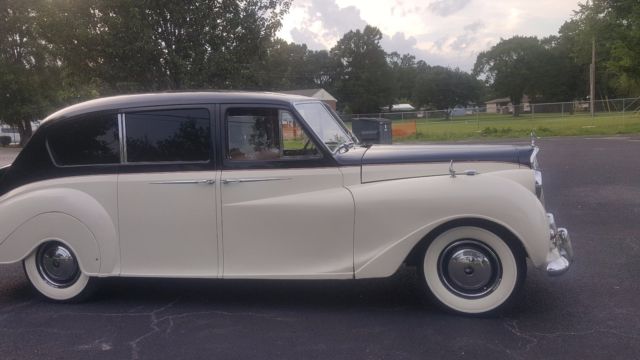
[{"x": 592, "y": 312}]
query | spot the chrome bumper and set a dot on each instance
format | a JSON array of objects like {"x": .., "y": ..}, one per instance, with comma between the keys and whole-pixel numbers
[{"x": 560, "y": 254}]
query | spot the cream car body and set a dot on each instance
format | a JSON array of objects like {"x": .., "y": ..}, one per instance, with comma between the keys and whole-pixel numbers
[{"x": 325, "y": 210}]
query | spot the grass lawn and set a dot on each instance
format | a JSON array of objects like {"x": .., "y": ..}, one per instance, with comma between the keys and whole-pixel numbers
[{"x": 506, "y": 126}]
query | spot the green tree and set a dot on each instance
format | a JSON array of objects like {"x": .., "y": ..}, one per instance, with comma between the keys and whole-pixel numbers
[
  {"x": 439, "y": 87},
  {"x": 323, "y": 69},
  {"x": 625, "y": 49},
  {"x": 613, "y": 25},
  {"x": 130, "y": 45},
  {"x": 362, "y": 72},
  {"x": 403, "y": 75},
  {"x": 27, "y": 73},
  {"x": 512, "y": 67}
]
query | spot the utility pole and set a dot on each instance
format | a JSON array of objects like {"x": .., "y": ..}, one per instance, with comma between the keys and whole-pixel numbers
[{"x": 592, "y": 77}]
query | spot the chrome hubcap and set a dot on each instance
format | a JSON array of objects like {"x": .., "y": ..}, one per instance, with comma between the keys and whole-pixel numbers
[
  {"x": 469, "y": 268},
  {"x": 57, "y": 265}
]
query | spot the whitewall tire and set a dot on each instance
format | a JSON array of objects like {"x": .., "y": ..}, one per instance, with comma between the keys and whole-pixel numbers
[
  {"x": 54, "y": 272},
  {"x": 472, "y": 270}
]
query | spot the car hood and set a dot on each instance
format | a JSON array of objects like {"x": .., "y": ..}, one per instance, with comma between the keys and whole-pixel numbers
[
  {"x": 403, "y": 154},
  {"x": 388, "y": 162}
]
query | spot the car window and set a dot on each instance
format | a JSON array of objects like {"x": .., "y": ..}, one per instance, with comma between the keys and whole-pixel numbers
[
  {"x": 266, "y": 134},
  {"x": 181, "y": 135},
  {"x": 328, "y": 127},
  {"x": 89, "y": 140}
]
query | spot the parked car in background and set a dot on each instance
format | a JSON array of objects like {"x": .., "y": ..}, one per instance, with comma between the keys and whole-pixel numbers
[
  {"x": 13, "y": 133},
  {"x": 268, "y": 186}
]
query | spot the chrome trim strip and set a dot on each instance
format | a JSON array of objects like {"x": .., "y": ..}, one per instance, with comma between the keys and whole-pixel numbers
[
  {"x": 123, "y": 138},
  {"x": 245, "y": 180},
  {"x": 183, "y": 182},
  {"x": 533, "y": 159}
]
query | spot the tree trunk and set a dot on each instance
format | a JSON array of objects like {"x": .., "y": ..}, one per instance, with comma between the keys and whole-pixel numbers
[
  {"x": 516, "y": 110},
  {"x": 24, "y": 128}
]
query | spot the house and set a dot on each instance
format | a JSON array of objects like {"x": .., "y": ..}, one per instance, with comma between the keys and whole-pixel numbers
[
  {"x": 504, "y": 105},
  {"x": 320, "y": 94}
]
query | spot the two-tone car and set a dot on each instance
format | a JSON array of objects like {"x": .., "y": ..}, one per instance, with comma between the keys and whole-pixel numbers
[{"x": 240, "y": 185}]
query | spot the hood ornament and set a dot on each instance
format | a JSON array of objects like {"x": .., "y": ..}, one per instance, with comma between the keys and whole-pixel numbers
[
  {"x": 533, "y": 138},
  {"x": 453, "y": 172}
]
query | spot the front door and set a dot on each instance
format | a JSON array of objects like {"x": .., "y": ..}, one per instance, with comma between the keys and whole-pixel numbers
[
  {"x": 167, "y": 195},
  {"x": 285, "y": 212}
]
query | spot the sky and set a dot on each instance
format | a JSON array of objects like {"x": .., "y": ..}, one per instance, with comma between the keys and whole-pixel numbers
[{"x": 441, "y": 32}]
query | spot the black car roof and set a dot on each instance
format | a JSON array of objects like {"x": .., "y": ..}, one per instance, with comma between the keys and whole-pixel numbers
[{"x": 123, "y": 102}]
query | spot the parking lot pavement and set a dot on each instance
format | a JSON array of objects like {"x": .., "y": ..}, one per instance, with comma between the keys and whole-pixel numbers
[{"x": 592, "y": 312}]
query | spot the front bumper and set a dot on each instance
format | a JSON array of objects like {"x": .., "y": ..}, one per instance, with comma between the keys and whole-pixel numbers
[{"x": 560, "y": 254}]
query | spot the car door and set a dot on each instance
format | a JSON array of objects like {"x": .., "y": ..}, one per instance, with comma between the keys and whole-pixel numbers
[
  {"x": 166, "y": 194},
  {"x": 285, "y": 212}
]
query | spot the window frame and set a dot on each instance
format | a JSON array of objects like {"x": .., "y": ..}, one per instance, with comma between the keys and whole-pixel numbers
[
  {"x": 87, "y": 117},
  {"x": 140, "y": 167},
  {"x": 323, "y": 159},
  {"x": 122, "y": 125}
]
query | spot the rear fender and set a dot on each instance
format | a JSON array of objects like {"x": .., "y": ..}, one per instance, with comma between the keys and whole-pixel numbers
[
  {"x": 30, "y": 217},
  {"x": 53, "y": 226}
]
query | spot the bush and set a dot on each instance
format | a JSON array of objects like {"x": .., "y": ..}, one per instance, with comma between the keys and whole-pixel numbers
[{"x": 5, "y": 140}]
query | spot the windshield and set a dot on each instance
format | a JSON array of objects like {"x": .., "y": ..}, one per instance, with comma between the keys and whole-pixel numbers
[{"x": 325, "y": 125}]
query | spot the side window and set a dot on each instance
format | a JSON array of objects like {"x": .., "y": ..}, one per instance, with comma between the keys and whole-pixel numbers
[
  {"x": 181, "y": 135},
  {"x": 266, "y": 134},
  {"x": 90, "y": 140}
]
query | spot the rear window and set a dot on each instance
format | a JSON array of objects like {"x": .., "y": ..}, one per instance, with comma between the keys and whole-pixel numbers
[
  {"x": 182, "y": 135},
  {"x": 90, "y": 140}
]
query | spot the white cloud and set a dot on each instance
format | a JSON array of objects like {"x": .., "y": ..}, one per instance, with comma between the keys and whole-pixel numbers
[
  {"x": 447, "y": 7},
  {"x": 441, "y": 32}
]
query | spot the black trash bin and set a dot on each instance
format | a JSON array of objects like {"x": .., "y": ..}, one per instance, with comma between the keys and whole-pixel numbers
[{"x": 372, "y": 130}]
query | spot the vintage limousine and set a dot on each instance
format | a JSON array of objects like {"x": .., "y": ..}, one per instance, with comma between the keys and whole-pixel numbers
[{"x": 267, "y": 186}]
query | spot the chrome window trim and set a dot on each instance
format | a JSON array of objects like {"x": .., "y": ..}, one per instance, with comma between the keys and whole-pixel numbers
[{"x": 123, "y": 139}]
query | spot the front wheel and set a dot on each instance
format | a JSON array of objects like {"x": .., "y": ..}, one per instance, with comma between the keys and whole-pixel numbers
[
  {"x": 472, "y": 270},
  {"x": 54, "y": 272}
]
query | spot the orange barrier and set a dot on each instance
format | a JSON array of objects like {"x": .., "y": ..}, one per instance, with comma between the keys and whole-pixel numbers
[{"x": 402, "y": 129}]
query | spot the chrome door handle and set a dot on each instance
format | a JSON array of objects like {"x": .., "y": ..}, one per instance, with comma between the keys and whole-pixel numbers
[
  {"x": 185, "y": 182},
  {"x": 236, "y": 181}
]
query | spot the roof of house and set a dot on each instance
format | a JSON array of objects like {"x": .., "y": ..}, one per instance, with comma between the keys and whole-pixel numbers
[
  {"x": 402, "y": 107},
  {"x": 525, "y": 99},
  {"x": 320, "y": 94}
]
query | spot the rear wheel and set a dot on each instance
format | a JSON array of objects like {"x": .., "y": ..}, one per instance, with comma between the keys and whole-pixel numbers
[
  {"x": 54, "y": 271},
  {"x": 472, "y": 270}
]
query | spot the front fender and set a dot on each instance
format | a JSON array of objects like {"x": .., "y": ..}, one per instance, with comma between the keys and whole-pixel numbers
[
  {"x": 32, "y": 216},
  {"x": 393, "y": 216}
]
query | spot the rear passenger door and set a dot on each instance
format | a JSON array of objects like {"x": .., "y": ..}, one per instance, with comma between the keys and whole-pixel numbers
[{"x": 166, "y": 193}]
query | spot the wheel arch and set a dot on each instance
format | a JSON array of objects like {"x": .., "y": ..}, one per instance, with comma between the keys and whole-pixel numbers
[
  {"x": 408, "y": 249},
  {"x": 415, "y": 255},
  {"x": 53, "y": 226}
]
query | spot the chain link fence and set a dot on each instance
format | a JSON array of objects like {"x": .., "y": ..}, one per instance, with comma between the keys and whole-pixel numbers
[{"x": 504, "y": 117}]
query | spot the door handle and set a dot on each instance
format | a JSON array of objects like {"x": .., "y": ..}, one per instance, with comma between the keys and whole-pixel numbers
[
  {"x": 245, "y": 180},
  {"x": 185, "y": 182}
]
